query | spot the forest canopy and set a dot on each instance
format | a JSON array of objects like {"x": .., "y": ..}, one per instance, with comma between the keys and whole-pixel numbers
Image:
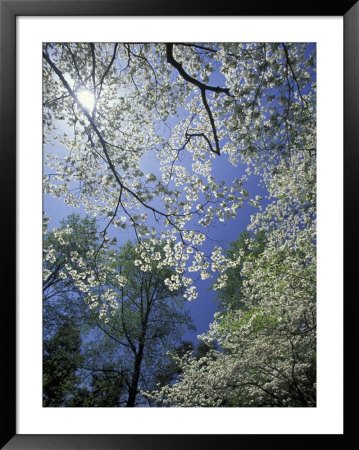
[{"x": 133, "y": 134}]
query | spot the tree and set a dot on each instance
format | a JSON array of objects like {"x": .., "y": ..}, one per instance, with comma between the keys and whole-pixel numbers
[
  {"x": 267, "y": 342},
  {"x": 124, "y": 342},
  {"x": 105, "y": 390},
  {"x": 61, "y": 359},
  {"x": 167, "y": 103},
  {"x": 147, "y": 322}
]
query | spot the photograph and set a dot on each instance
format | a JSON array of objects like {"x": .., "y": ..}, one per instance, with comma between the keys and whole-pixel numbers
[{"x": 179, "y": 224}]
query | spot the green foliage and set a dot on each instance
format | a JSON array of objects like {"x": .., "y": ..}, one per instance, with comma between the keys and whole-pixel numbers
[
  {"x": 61, "y": 360},
  {"x": 248, "y": 247},
  {"x": 70, "y": 247},
  {"x": 129, "y": 319},
  {"x": 147, "y": 323},
  {"x": 105, "y": 390},
  {"x": 254, "y": 320}
]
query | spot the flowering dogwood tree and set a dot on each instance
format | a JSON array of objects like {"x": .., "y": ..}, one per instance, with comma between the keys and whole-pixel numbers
[
  {"x": 268, "y": 342},
  {"x": 143, "y": 125}
]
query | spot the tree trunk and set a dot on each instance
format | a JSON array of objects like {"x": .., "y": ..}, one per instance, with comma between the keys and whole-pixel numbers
[{"x": 135, "y": 376}]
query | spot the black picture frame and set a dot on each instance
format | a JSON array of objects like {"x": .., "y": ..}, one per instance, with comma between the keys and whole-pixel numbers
[{"x": 9, "y": 10}]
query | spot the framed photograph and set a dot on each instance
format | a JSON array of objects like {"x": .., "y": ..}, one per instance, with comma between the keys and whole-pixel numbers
[{"x": 170, "y": 172}]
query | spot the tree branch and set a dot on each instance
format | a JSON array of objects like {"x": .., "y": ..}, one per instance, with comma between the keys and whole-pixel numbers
[{"x": 203, "y": 88}]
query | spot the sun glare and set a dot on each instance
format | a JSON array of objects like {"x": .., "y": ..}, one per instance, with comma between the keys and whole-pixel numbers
[{"x": 87, "y": 99}]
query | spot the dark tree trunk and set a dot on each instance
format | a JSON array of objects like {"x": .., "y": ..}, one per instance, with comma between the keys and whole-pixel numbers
[
  {"x": 135, "y": 376},
  {"x": 132, "y": 393}
]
